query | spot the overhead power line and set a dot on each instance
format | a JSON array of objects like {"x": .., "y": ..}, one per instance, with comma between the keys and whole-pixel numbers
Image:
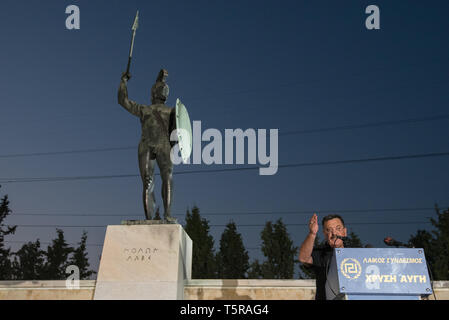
[
  {"x": 241, "y": 213},
  {"x": 293, "y": 165},
  {"x": 281, "y": 133},
  {"x": 95, "y": 244},
  {"x": 52, "y": 153},
  {"x": 300, "y": 83},
  {"x": 224, "y": 225},
  {"x": 49, "y": 243},
  {"x": 366, "y": 125}
]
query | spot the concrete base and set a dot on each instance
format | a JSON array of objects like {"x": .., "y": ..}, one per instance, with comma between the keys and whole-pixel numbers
[{"x": 144, "y": 262}]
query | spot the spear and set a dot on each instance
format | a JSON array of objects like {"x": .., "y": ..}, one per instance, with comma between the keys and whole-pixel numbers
[{"x": 134, "y": 29}]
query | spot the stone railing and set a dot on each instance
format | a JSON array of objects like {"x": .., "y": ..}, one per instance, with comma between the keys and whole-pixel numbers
[{"x": 196, "y": 289}]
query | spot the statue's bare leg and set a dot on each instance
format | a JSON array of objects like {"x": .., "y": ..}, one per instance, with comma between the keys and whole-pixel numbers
[
  {"x": 146, "y": 165},
  {"x": 166, "y": 170}
]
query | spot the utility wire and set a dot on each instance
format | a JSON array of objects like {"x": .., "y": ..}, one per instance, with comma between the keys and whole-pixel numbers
[
  {"x": 293, "y": 165},
  {"x": 296, "y": 84},
  {"x": 72, "y": 244},
  {"x": 51, "y": 153},
  {"x": 281, "y": 133},
  {"x": 96, "y": 244},
  {"x": 295, "y": 212},
  {"x": 224, "y": 225},
  {"x": 366, "y": 125}
]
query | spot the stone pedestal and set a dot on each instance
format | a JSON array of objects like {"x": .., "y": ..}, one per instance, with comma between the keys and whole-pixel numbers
[{"x": 144, "y": 262}]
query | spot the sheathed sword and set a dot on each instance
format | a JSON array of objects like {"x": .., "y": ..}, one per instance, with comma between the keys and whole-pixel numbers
[{"x": 134, "y": 29}]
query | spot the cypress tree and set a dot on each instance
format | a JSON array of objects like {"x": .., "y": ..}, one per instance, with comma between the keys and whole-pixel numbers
[
  {"x": 6, "y": 268},
  {"x": 81, "y": 260},
  {"x": 435, "y": 245},
  {"x": 203, "y": 257},
  {"x": 233, "y": 259},
  {"x": 279, "y": 250},
  {"x": 57, "y": 258},
  {"x": 29, "y": 262}
]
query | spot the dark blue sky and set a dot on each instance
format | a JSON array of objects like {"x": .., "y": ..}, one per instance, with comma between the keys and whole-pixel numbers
[{"x": 287, "y": 65}]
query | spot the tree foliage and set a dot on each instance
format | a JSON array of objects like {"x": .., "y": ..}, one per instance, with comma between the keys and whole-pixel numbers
[
  {"x": 435, "y": 245},
  {"x": 81, "y": 260},
  {"x": 29, "y": 262},
  {"x": 279, "y": 251},
  {"x": 6, "y": 268},
  {"x": 353, "y": 241},
  {"x": 32, "y": 263},
  {"x": 232, "y": 258},
  {"x": 255, "y": 270},
  {"x": 57, "y": 258},
  {"x": 203, "y": 256}
]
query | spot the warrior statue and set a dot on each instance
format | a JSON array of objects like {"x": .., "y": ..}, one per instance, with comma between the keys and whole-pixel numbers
[{"x": 158, "y": 121}]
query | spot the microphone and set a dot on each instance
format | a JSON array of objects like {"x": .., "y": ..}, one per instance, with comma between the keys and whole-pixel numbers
[
  {"x": 343, "y": 239},
  {"x": 389, "y": 241}
]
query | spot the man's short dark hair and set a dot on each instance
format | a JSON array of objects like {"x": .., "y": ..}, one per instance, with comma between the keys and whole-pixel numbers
[{"x": 333, "y": 216}]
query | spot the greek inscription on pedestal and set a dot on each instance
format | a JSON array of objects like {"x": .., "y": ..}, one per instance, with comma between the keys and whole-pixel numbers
[{"x": 138, "y": 254}]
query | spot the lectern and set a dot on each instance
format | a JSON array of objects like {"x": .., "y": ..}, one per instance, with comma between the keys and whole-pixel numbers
[{"x": 378, "y": 274}]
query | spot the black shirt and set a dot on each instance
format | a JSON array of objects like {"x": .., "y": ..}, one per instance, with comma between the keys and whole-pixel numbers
[{"x": 321, "y": 261}]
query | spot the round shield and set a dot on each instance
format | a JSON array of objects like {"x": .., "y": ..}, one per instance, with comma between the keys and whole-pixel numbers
[{"x": 183, "y": 131}]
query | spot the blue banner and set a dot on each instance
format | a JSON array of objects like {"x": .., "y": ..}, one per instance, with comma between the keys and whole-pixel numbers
[{"x": 377, "y": 271}]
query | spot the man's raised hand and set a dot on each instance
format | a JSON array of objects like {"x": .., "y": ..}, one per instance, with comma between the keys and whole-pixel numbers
[{"x": 313, "y": 224}]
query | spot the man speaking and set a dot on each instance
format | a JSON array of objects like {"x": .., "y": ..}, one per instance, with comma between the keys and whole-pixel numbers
[{"x": 335, "y": 232}]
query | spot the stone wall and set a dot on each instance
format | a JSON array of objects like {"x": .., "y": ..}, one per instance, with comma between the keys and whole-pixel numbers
[
  {"x": 196, "y": 289},
  {"x": 45, "y": 290},
  {"x": 250, "y": 290}
]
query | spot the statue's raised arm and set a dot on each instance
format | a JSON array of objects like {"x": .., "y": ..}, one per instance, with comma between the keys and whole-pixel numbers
[{"x": 132, "y": 106}]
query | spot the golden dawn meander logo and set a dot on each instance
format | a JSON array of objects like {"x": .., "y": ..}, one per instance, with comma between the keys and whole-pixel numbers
[{"x": 351, "y": 268}]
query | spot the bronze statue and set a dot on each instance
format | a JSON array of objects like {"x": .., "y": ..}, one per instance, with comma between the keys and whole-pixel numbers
[{"x": 158, "y": 121}]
